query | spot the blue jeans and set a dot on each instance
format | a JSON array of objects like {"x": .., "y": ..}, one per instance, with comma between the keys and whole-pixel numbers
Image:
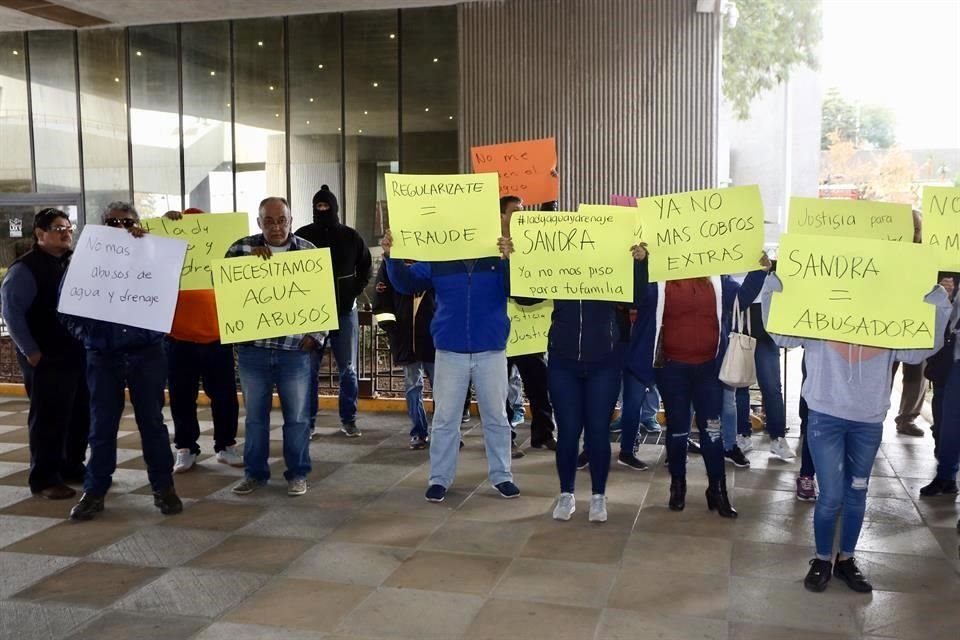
[
  {"x": 946, "y": 419},
  {"x": 843, "y": 451},
  {"x": 413, "y": 392},
  {"x": 583, "y": 400},
  {"x": 343, "y": 344},
  {"x": 735, "y": 416},
  {"x": 767, "y": 359},
  {"x": 144, "y": 372},
  {"x": 640, "y": 404},
  {"x": 454, "y": 371},
  {"x": 680, "y": 386},
  {"x": 260, "y": 369}
]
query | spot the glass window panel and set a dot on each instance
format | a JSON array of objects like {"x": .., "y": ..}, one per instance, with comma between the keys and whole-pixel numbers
[
  {"x": 315, "y": 110},
  {"x": 155, "y": 119},
  {"x": 430, "y": 90},
  {"x": 259, "y": 113},
  {"x": 103, "y": 118},
  {"x": 207, "y": 134},
  {"x": 371, "y": 76},
  {"x": 15, "y": 170},
  {"x": 53, "y": 86}
]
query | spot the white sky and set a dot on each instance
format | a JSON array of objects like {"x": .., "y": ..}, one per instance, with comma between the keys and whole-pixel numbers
[{"x": 901, "y": 54}]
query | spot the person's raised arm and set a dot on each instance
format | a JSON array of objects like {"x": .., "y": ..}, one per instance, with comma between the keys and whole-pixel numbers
[{"x": 407, "y": 279}]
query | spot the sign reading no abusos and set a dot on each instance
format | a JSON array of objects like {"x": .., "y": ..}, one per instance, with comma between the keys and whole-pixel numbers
[{"x": 289, "y": 294}]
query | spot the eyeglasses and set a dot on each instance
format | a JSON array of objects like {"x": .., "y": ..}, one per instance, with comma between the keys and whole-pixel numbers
[
  {"x": 126, "y": 223},
  {"x": 61, "y": 227},
  {"x": 270, "y": 222}
]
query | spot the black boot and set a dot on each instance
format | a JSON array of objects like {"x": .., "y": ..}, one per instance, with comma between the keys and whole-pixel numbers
[
  {"x": 678, "y": 493},
  {"x": 87, "y": 507},
  {"x": 167, "y": 501},
  {"x": 718, "y": 499}
]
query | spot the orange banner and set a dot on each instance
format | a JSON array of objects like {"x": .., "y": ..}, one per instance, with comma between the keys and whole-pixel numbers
[{"x": 527, "y": 169}]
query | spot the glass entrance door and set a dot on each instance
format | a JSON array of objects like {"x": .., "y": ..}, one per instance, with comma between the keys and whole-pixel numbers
[{"x": 16, "y": 220}]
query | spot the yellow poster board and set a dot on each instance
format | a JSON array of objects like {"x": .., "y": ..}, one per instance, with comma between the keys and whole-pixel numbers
[
  {"x": 703, "y": 233},
  {"x": 855, "y": 290},
  {"x": 529, "y": 327},
  {"x": 941, "y": 224},
  {"x": 208, "y": 237},
  {"x": 448, "y": 217},
  {"x": 851, "y": 219},
  {"x": 562, "y": 255},
  {"x": 289, "y": 294}
]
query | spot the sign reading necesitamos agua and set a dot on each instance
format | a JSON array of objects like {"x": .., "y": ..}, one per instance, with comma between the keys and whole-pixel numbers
[
  {"x": 208, "y": 237},
  {"x": 851, "y": 219},
  {"x": 529, "y": 327},
  {"x": 289, "y": 294},
  {"x": 855, "y": 290}
]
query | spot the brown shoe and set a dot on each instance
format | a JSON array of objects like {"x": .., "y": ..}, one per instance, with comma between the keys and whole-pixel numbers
[
  {"x": 909, "y": 429},
  {"x": 57, "y": 492}
]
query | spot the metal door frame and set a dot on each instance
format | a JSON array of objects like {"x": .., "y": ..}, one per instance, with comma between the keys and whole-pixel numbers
[{"x": 74, "y": 199}]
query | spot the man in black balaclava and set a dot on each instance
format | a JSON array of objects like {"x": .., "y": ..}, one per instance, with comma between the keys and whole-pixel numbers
[{"x": 351, "y": 273}]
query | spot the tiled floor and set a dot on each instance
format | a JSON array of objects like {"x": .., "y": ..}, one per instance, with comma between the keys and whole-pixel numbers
[{"x": 362, "y": 555}]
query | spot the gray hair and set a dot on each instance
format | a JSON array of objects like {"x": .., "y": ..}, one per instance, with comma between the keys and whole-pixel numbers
[
  {"x": 118, "y": 205},
  {"x": 271, "y": 200}
]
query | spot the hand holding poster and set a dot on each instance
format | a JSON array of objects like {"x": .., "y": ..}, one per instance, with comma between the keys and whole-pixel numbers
[
  {"x": 851, "y": 219},
  {"x": 572, "y": 256},
  {"x": 116, "y": 277},
  {"x": 289, "y": 294},
  {"x": 941, "y": 224},
  {"x": 529, "y": 327},
  {"x": 854, "y": 290},
  {"x": 449, "y": 217},
  {"x": 208, "y": 237},
  {"x": 703, "y": 233},
  {"x": 526, "y": 169}
]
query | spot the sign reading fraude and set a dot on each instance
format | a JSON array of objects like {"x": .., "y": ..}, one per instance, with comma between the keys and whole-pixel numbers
[
  {"x": 527, "y": 169},
  {"x": 851, "y": 219},
  {"x": 571, "y": 256},
  {"x": 703, "y": 233},
  {"x": 289, "y": 294},
  {"x": 529, "y": 327},
  {"x": 855, "y": 290},
  {"x": 208, "y": 237},
  {"x": 941, "y": 224},
  {"x": 449, "y": 217}
]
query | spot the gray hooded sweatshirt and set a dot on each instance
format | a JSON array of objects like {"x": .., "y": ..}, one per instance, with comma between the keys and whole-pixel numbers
[{"x": 851, "y": 381}]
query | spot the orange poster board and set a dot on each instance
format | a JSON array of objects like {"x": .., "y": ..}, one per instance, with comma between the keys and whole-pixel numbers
[{"x": 526, "y": 168}]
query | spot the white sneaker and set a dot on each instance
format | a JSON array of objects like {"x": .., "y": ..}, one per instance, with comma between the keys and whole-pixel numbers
[
  {"x": 297, "y": 487},
  {"x": 566, "y": 506},
  {"x": 781, "y": 449},
  {"x": 185, "y": 461},
  {"x": 230, "y": 456},
  {"x": 598, "y": 508},
  {"x": 745, "y": 443}
]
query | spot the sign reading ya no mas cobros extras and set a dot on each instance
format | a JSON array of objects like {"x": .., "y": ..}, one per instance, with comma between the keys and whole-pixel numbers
[
  {"x": 443, "y": 217},
  {"x": 118, "y": 278},
  {"x": 703, "y": 233},
  {"x": 289, "y": 294},
  {"x": 865, "y": 292}
]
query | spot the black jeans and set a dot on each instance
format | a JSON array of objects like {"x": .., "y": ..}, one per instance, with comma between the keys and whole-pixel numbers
[
  {"x": 59, "y": 419},
  {"x": 187, "y": 364},
  {"x": 533, "y": 372}
]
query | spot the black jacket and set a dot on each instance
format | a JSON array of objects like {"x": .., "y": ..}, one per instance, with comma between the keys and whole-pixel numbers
[
  {"x": 352, "y": 265},
  {"x": 407, "y": 326}
]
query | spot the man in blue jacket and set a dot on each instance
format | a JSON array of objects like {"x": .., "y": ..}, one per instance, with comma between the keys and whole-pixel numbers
[
  {"x": 117, "y": 356},
  {"x": 470, "y": 329}
]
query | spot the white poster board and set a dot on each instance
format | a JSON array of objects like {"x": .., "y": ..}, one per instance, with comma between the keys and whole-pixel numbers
[{"x": 118, "y": 278}]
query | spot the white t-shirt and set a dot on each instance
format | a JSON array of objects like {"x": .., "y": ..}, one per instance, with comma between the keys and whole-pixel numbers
[{"x": 274, "y": 249}]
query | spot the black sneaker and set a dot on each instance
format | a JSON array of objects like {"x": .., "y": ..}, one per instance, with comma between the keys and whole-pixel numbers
[
  {"x": 167, "y": 501},
  {"x": 418, "y": 442},
  {"x": 87, "y": 506},
  {"x": 549, "y": 443},
  {"x": 939, "y": 487},
  {"x": 515, "y": 450},
  {"x": 436, "y": 493},
  {"x": 350, "y": 429},
  {"x": 631, "y": 461},
  {"x": 847, "y": 571},
  {"x": 582, "y": 460},
  {"x": 507, "y": 489},
  {"x": 736, "y": 456},
  {"x": 818, "y": 576}
]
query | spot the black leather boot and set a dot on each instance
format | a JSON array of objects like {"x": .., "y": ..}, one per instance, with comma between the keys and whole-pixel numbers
[
  {"x": 678, "y": 493},
  {"x": 718, "y": 499},
  {"x": 87, "y": 507}
]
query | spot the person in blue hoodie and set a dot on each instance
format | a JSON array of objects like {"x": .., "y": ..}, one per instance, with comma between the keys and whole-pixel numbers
[
  {"x": 470, "y": 328},
  {"x": 121, "y": 356}
]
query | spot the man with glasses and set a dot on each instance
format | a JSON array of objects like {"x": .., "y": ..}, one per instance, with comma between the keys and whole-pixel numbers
[
  {"x": 118, "y": 357},
  {"x": 51, "y": 359},
  {"x": 284, "y": 362}
]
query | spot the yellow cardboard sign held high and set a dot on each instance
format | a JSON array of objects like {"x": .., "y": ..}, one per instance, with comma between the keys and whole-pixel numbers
[
  {"x": 208, "y": 237},
  {"x": 941, "y": 224},
  {"x": 851, "y": 219}
]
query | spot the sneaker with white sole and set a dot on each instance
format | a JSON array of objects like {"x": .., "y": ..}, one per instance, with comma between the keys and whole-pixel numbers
[
  {"x": 781, "y": 449},
  {"x": 598, "y": 508},
  {"x": 745, "y": 443},
  {"x": 230, "y": 457},
  {"x": 566, "y": 506},
  {"x": 246, "y": 487},
  {"x": 297, "y": 487},
  {"x": 185, "y": 461},
  {"x": 350, "y": 429}
]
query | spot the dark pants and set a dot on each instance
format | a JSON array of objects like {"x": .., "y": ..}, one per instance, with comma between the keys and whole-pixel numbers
[
  {"x": 533, "y": 372},
  {"x": 914, "y": 392},
  {"x": 187, "y": 364},
  {"x": 144, "y": 371},
  {"x": 59, "y": 419},
  {"x": 807, "y": 468},
  {"x": 946, "y": 422},
  {"x": 680, "y": 386}
]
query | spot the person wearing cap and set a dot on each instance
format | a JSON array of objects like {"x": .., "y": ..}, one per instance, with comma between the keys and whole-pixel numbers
[
  {"x": 52, "y": 361},
  {"x": 194, "y": 353},
  {"x": 352, "y": 268}
]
